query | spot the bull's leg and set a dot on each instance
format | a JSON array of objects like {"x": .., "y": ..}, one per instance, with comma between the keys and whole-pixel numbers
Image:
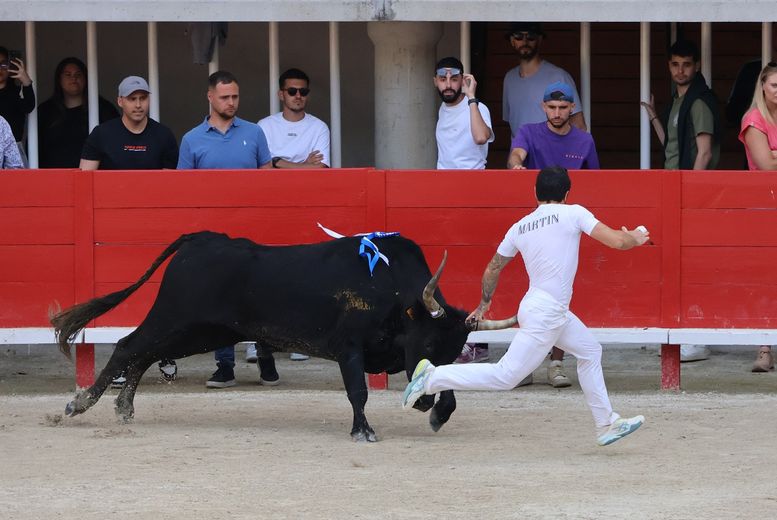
[
  {"x": 352, "y": 370},
  {"x": 442, "y": 411},
  {"x": 125, "y": 409},
  {"x": 89, "y": 397}
]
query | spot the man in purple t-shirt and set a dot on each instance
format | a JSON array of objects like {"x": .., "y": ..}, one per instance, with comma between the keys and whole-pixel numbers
[{"x": 554, "y": 142}]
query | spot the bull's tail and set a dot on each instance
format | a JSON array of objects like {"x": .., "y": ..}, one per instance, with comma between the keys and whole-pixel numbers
[{"x": 69, "y": 322}]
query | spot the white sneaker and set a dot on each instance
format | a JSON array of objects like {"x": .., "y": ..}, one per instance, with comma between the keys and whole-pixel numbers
[
  {"x": 619, "y": 429},
  {"x": 296, "y": 356},
  {"x": 693, "y": 353},
  {"x": 415, "y": 388},
  {"x": 556, "y": 376},
  {"x": 251, "y": 355}
]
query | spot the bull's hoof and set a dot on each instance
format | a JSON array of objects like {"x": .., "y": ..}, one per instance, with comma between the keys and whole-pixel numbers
[
  {"x": 434, "y": 420},
  {"x": 70, "y": 409},
  {"x": 364, "y": 436}
]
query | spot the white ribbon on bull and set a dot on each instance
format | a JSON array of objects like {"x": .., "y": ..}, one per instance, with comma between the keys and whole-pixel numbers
[{"x": 367, "y": 247}]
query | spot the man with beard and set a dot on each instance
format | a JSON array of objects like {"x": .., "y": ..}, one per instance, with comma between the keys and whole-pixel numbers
[
  {"x": 689, "y": 130},
  {"x": 464, "y": 123},
  {"x": 525, "y": 84},
  {"x": 223, "y": 141},
  {"x": 554, "y": 142}
]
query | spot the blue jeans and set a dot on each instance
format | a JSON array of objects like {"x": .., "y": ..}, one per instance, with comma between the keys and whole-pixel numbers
[{"x": 225, "y": 356}]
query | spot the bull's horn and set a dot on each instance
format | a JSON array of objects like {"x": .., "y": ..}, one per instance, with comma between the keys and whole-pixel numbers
[
  {"x": 493, "y": 324},
  {"x": 429, "y": 302}
]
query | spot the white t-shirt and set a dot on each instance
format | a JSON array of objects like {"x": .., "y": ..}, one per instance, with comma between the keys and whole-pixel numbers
[
  {"x": 549, "y": 242},
  {"x": 293, "y": 141},
  {"x": 456, "y": 149}
]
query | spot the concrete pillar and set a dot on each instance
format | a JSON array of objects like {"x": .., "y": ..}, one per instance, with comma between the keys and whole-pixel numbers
[{"x": 405, "y": 99}]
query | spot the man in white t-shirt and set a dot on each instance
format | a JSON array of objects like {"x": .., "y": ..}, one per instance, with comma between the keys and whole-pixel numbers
[
  {"x": 549, "y": 242},
  {"x": 296, "y": 138},
  {"x": 464, "y": 123}
]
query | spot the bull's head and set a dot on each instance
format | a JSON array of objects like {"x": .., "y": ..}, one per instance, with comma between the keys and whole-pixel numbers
[{"x": 443, "y": 332}]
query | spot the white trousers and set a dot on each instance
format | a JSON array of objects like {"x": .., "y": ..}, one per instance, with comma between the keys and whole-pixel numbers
[{"x": 544, "y": 322}]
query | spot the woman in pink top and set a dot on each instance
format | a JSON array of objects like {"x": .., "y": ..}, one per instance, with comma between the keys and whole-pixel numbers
[
  {"x": 759, "y": 135},
  {"x": 759, "y": 126}
]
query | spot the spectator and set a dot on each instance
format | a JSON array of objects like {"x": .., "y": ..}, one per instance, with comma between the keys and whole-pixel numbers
[
  {"x": 759, "y": 135},
  {"x": 9, "y": 152},
  {"x": 689, "y": 130},
  {"x": 463, "y": 129},
  {"x": 525, "y": 83},
  {"x": 296, "y": 140},
  {"x": 224, "y": 141},
  {"x": 463, "y": 133},
  {"x": 15, "y": 102},
  {"x": 554, "y": 143},
  {"x": 63, "y": 119},
  {"x": 132, "y": 142}
]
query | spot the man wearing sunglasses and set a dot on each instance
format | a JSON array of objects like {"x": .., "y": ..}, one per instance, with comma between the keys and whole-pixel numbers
[
  {"x": 525, "y": 84},
  {"x": 296, "y": 139},
  {"x": 464, "y": 123}
]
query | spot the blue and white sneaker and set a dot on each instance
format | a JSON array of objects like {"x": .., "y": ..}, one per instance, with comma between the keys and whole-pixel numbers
[
  {"x": 619, "y": 429},
  {"x": 415, "y": 388}
]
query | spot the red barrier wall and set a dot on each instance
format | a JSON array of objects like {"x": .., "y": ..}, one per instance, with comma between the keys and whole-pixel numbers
[{"x": 66, "y": 236}]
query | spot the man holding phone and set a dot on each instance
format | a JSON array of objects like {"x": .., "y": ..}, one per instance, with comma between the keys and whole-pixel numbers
[{"x": 15, "y": 102}]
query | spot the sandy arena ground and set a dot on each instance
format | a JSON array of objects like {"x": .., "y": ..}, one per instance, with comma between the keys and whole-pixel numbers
[{"x": 284, "y": 452}]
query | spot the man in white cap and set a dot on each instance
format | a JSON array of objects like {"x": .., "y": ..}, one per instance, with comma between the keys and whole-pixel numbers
[{"x": 134, "y": 141}]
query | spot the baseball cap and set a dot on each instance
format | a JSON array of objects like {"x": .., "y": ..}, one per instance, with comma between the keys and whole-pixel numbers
[
  {"x": 558, "y": 91},
  {"x": 521, "y": 27},
  {"x": 132, "y": 83}
]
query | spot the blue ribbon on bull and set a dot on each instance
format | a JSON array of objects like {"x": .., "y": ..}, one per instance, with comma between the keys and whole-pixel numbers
[{"x": 370, "y": 251}]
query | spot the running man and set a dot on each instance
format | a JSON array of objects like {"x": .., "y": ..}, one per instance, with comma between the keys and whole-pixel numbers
[{"x": 549, "y": 242}]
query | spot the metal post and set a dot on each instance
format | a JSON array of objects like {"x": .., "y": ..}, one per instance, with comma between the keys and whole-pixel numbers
[
  {"x": 213, "y": 64},
  {"x": 706, "y": 52},
  {"x": 275, "y": 68},
  {"x": 766, "y": 43},
  {"x": 335, "y": 129},
  {"x": 585, "y": 71},
  {"x": 644, "y": 95},
  {"x": 153, "y": 70},
  {"x": 32, "y": 119},
  {"x": 466, "y": 47},
  {"x": 91, "y": 64}
]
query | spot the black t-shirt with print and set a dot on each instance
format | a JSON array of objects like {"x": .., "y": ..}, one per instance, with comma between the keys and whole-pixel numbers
[{"x": 117, "y": 148}]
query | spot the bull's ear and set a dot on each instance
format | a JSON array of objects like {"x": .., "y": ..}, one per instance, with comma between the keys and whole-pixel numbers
[{"x": 410, "y": 311}]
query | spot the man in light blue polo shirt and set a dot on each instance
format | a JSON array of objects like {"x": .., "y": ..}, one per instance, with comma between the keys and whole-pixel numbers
[{"x": 225, "y": 142}]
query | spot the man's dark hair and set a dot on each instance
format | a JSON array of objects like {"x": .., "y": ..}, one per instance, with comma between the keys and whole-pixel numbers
[
  {"x": 684, "y": 49},
  {"x": 553, "y": 184},
  {"x": 292, "y": 74},
  {"x": 4, "y": 52},
  {"x": 221, "y": 76},
  {"x": 449, "y": 62}
]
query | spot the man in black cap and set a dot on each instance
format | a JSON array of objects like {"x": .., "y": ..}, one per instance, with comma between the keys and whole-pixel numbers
[{"x": 525, "y": 84}]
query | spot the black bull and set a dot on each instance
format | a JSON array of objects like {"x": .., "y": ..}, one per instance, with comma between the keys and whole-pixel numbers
[{"x": 318, "y": 299}]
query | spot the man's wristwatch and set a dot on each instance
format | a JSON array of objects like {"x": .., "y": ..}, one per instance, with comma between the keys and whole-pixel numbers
[
  {"x": 473, "y": 100},
  {"x": 275, "y": 161}
]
